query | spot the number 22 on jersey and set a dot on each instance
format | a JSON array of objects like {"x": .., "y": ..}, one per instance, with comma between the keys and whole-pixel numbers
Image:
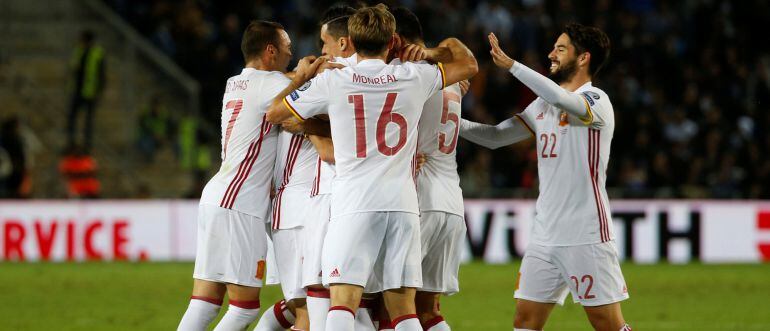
[{"x": 386, "y": 117}]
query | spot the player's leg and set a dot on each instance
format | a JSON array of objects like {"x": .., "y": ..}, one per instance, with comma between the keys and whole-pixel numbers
[
  {"x": 540, "y": 285},
  {"x": 245, "y": 269},
  {"x": 402, "y": 269},
  {"x": 288, "y": 252},
  {"x": 277, "y": 318},
  {"x": 441, "y": 238},
  {"x": 243, "y": 307},
  {"x": 205, "y": 302},
  {"x": 350, "y": 249},
  {"x": 209, "y": 282},
  {"x": 607, "y": 317},
  {"x": 531, "y": 315},
  {"x": 318, "y": 297},
  {"x": 596, "y": 281}
]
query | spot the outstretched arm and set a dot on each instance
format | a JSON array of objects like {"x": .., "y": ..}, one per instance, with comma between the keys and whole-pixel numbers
[
  {"x": 506, "y": 133},
  {"x": 572, "y": 103},
  {"x": 459, "y": 63},
  {"x": 306, "y": 69}
]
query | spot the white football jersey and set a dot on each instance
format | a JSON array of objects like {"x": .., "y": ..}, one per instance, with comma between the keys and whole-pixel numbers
[
  {"x": 248, "y": 144},
  {"x": 295, "y": 166},
  {"x": 573, "y": 207},
  {"x": 322, "y": 184},
  {"x": 438, "y": 184},
  {"x": 374, "y": 109}
]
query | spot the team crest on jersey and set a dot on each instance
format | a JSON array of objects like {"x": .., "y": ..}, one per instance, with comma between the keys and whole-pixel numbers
[
  {"x": 563, "y": 119},
  {"x": 305, "y": 86},
  {"x": 294, "y": 95}
]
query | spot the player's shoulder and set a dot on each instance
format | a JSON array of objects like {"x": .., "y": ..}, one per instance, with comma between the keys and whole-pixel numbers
[
  {"x": 593, "y": 94},
  {"x": 273, "y": 76}
]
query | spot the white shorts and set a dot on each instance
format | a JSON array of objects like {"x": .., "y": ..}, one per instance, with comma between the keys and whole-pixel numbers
[
  {"x": 442, "y": 239},
  {"x": 231, "y": 247},
  {"x": 590, "y": 272},
  {"x": 272, "y": 269},
  {"x": 375, "y": 250},
  {"x": 288, "y": 258},
  {"x": 315, "y": 230}
]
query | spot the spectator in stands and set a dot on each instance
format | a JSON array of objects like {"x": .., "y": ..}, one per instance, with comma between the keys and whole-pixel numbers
[
  {"x": 154, "y": 128},
  {"x": 78, "y": 169},
  {"x": 88, "y": 70},
  {"x": 14, "y": 175}
]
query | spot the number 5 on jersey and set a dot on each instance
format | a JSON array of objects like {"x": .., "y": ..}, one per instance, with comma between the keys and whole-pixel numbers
[{"x": 386, "y": 117}]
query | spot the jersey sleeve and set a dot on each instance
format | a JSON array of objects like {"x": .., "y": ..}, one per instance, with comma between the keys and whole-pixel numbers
[
  {"x": 432, "y": 77},
  {"x": 599, "y": 109},
  {"x": 271, "y": 87},
  {"x": 529, "y": 115},
  {"x": 310, "y": 99}
]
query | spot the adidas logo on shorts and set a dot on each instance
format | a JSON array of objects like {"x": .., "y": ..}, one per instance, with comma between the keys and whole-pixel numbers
[{"x": 335, "y": 273}]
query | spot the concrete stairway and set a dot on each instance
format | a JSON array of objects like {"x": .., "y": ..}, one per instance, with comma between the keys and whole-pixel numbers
[{"x": 38, "y": 37}]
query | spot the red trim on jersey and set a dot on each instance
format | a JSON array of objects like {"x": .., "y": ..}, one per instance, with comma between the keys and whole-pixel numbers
[
  {"x": 318, "y": 293},
  {"x": 291, "y": 158},
  {"x": 525, "y": 124},
  {"x": 228, "y": 200},
  {"x": 278, "y": 310},
  {"x": 245, "y": 304},
  {"x": 594, "y": 155},
  {"x": 317, "y": 180},
  {"x": 403, "y": 318},
  {"x": 217, "y": 302}
]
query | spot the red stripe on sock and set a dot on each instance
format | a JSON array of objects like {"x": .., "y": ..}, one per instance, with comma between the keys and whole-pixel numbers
[
  {"x": 402, "y": 318},
  {"x": 318, "y": 293},
  {"x": 433, "y": 322},
  {"x": 245, "y": 304},
  {"x": 343, "y": 308},
  {"x": 217, "y": 302},
  {"x": 278, "y": 312}
]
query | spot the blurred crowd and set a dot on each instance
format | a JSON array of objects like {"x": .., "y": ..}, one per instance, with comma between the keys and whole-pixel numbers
[{"x": 689, "y": 81}]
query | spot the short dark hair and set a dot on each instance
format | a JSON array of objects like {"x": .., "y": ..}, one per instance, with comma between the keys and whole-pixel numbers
[
  {"x": 592, "y": 40},
  {"x": 257, "y": 36},
  {"x": 371, "y": 29},
  {"x": 336, "y": 20},
  {"x": 407, "y": 24}
]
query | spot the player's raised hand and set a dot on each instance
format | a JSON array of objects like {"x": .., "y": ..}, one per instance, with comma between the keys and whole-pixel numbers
[
  {"x": 412, "y": 53},
  {"x": 501, "y": 59},
  {"x": 465, "y": 85},
  {"x": 307, "y": 68}
]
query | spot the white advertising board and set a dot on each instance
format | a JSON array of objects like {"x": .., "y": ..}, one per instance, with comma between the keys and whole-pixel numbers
[{"x": 647, "y": 231}]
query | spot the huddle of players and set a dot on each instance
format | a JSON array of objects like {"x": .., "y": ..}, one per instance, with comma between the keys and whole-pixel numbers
[{"x": 352, "y": 117}]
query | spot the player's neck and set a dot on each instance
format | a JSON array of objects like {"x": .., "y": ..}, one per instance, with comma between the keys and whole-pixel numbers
[
  {"x": 578, "y": 80},
  {"x": 259, "y": 65},
  {"x": 382, "y": 57}
]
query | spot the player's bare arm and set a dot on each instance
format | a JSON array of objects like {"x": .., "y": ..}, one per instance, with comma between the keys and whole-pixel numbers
[
  {"x": 311, "y": 126},
  {"x": 306, "y": 70},
  {"x": 462, "y": 64},
  {"x": 572, "y": 103},
  {"x": 324, "y": 147},
  {"x": 507, "y": 132}
]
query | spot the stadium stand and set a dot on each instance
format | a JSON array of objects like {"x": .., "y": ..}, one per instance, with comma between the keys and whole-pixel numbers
[{"x": 689, "y": 80}]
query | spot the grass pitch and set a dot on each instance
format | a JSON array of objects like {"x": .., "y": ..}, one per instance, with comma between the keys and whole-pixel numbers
[{"x": 153, "y": 296}]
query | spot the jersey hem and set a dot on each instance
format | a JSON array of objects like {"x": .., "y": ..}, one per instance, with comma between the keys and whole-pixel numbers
[
  {"x": 374, "y": 211},
  {"x": 571, "y": 245},
  {"x": 233, "y": 209}
]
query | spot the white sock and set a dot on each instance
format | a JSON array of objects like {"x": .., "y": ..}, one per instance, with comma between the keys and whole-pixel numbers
[
  {"x": 340, "y": 318},
  {"x": 626, "y": 327},
  {"x": 436, "y": 324},
  {"x": 238, "y": 317},
  {"x": 317, "y": 309},
  {"x": 200, "y": 312},
  {"x": 407, "y": 323},
  {"x": 364, "y": 320},
  {"x": 277, "y": 318}
]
